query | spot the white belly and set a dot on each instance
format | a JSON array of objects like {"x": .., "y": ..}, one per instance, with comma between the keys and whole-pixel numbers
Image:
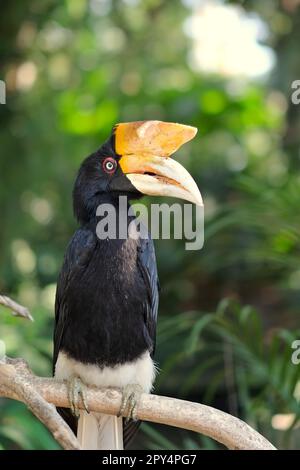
[{"x": 141, "y": 372}]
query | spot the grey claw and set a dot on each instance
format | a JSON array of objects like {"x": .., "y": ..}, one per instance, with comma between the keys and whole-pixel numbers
[
  {"x": 84, "y": 400},
  {"x": 76, "y": 389},
  {"x": 130, "y": 398}
]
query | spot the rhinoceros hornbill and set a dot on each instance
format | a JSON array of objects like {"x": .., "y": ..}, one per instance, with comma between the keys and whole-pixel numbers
[{"x": 107, "y": 291}]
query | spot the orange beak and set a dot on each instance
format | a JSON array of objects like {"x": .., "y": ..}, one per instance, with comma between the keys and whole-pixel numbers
[{"x": 145, "y": 148}]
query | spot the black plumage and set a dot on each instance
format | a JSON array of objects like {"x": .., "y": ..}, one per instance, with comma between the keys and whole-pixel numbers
[{"x": 107, "y": 292}]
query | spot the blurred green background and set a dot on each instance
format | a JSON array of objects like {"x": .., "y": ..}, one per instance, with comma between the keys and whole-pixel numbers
[{"x": 230, "y": 312}]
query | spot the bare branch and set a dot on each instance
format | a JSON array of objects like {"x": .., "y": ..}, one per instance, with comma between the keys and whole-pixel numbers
[
  {"x": 15, "y": 381},
  {"x": 224, "y": 428},
  {"x": 16, "y": 309}
]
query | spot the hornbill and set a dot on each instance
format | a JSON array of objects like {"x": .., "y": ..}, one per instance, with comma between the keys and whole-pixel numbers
[{"x": 107, "y": 292}]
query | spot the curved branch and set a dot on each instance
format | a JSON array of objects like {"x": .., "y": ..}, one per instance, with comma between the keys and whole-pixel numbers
[
  {"x": 16, "y": 309},
  {"x": 17, "y": 381},
  {"x": 220, "y": 426}
]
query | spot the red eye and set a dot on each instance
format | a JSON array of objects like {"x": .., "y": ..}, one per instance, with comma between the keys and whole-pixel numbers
[{"x": 109, "y": 165}]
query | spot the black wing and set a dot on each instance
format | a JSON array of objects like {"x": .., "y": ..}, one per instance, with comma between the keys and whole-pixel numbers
[
  {"x": 77, "y": 257},
  {"x": 148, "y": 268}
]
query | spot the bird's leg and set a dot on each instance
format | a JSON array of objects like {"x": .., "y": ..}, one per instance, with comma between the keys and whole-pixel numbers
[
  {"x": 76, "y": 389},
  {"x": 130, "y": 398}
]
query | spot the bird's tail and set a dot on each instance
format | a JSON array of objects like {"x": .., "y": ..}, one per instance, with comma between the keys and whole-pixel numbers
[
  {"x": 97, "y": 431},
  {"x": 90, "y": 427}
]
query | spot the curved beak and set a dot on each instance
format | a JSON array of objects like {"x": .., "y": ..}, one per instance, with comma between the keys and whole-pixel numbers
[{"x": 145, "y": 148}]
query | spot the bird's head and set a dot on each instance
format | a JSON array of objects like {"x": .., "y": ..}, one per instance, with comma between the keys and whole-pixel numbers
[{"x": 135, "y": 161}]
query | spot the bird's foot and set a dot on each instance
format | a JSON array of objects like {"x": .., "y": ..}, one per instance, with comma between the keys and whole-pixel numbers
[
  {"x": 130, "y": 398},
  {"x": 76, "y": 390}
]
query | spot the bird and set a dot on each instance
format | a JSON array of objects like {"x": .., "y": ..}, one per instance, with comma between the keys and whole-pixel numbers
[{"x": 107, "y": 293}]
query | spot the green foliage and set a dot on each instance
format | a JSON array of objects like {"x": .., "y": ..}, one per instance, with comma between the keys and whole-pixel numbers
[
  {"x": 226, "y": 353},
  {"x": 20, "y": 430}
]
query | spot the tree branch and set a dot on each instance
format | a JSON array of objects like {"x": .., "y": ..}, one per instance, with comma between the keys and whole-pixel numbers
[
  {"x": 16, "y": 309},
  {"x": 18, "y": 382}
]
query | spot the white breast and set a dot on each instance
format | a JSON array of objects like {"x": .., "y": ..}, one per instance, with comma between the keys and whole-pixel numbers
[{"x": 141, "y": 372}]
